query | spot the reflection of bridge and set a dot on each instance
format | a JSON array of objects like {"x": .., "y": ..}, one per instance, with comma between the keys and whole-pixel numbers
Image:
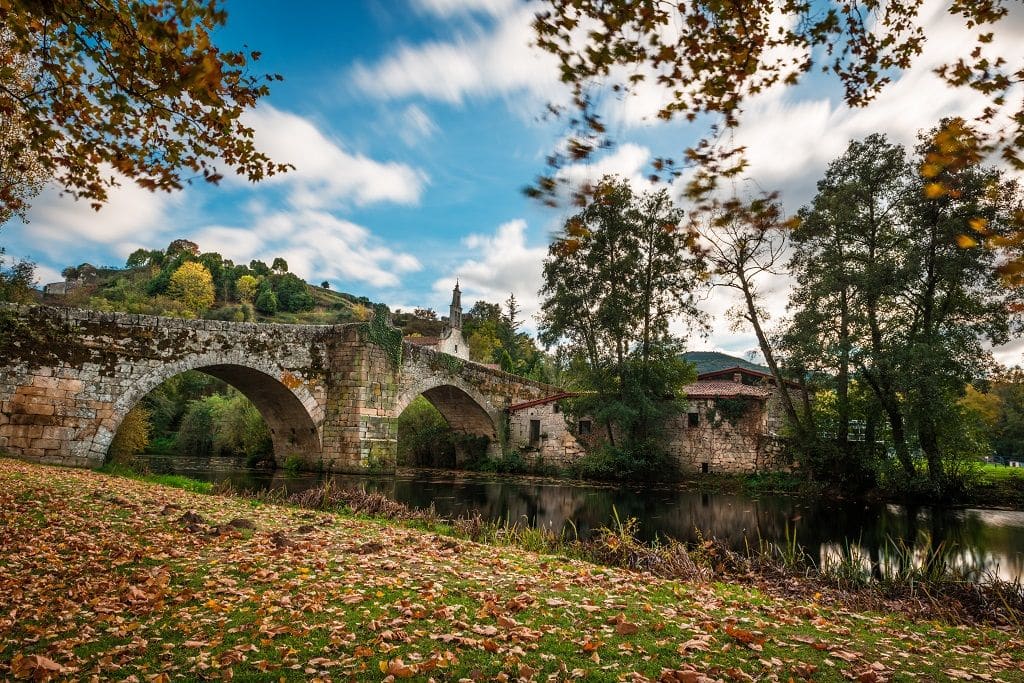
[{"x": 330, "y": 394}]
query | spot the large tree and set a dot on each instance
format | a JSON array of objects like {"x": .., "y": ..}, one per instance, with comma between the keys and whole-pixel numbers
[
  {"x": 891, "y": 292},
  {"x": 137, "y": 88},
  {"x": 849, "y": 250},
  {"x": 615, "y": 278}
]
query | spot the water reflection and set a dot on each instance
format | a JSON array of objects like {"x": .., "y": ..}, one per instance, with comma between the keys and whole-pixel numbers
[{"x": 828, "y": 530}]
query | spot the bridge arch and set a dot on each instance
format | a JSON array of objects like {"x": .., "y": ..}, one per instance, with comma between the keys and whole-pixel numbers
[
  {"x": 462, "y": 406},
  {"x": 293, "y": 415}
]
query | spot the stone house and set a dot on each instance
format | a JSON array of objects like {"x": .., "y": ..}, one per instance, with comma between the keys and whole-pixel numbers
[
  {"x": 540, "y": 427},
  {"x": 730, "y": 425}
]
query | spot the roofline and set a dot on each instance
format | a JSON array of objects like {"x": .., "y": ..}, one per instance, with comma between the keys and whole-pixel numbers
[
  {"x": 541, "y": 401},
  {"x": 749, "y": 371}
]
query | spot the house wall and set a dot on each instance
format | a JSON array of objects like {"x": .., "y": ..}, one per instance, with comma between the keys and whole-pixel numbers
[
  {"x": 452, "y": 343},
  {"x": 723, "y": 446},
  {"x": 556, "y": 446}
]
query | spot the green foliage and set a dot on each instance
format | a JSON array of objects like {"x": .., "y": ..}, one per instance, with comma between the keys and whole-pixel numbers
[
  {"x": 889, "y": 302},
  {"x": 292, "y": 293},
  {"x": 614, "y": 278},
  {"x": 424, "y": 437},
  {"x": 223, "y": 424},
  {"x": 266, "y": 302},
  {"x": 132, "y": 436},
  {"x": 636, "y": 462},
  {"x": 380, "y": 331},
  {"x": 732, "y": 410},
  {"x": 17, "y": 280}
]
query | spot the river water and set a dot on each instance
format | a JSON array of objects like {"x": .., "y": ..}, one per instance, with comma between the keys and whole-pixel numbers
[{"x": 993, "y": 539}]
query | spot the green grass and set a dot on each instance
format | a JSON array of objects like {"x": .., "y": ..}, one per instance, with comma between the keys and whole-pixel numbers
[
  {"x": 486, "y": 612},
  {"x": 176, "y": 481}
]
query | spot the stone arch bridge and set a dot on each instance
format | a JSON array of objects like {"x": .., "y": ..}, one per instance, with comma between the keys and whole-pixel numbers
[{"x": 330, "y": 394}]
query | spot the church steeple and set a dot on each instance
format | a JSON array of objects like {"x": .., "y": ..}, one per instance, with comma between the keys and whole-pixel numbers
[{"x": 455, "y": 311}]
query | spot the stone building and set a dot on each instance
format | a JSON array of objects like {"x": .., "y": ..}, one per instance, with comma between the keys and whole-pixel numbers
[
  {"x": 451, "y": 340},
  {"x": 539, "y": 427},
  {"x": 730, "y": 423}
]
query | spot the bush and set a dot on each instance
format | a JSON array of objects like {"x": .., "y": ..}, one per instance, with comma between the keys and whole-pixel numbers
[
  {"x": 647, "y": 462},
  {"x": 266, "y": 302}
]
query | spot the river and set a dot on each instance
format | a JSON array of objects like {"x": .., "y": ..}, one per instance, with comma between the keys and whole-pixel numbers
[{"x": 993, "y": 539}]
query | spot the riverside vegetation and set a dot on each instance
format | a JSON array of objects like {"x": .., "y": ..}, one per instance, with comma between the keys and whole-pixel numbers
[{"x": 115, "y": 577}]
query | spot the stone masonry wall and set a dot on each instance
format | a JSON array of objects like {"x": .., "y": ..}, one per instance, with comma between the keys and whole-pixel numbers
[
  {"x": 557, "y": 445},
  {"x": 723, "y": 446}
]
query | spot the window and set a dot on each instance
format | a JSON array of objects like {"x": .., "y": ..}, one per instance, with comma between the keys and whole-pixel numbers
[
  {"x": 703, "y": 468},
  {"x": 456, "y": 348},
  {"x": 534, "y": 432},
  {"x": 556, "y": 408},
  {"x": 693, "y": 419},
  {"x": 585, "y": 427}
]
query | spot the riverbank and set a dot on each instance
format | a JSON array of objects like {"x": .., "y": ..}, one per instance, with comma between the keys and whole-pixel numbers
[{"x": 116, "y": 577}]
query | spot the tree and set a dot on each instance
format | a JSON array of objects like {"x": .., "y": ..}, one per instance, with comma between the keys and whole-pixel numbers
[
  {"x": 279, "y": 265},
  {"x": 847, "y": 258},
  {"x": 747, "y": 243},
  {"x": 707, "y": 58},
  {"x": 266, "y": 302},
  {"x": 192, "y": 285},
  {"x": 181, "y": 247},
  {"x": 17, "y": 281},
  {"x": 614, "y": 277},
  {"x": 136, "y": 87},
  {"x": 22, "y": 177},
  {"x": 292, "y": 293},
  {"x": 917, "y": 304},
  {"x": 325, "y": 285},
  {"x": 246, "y": 287}
]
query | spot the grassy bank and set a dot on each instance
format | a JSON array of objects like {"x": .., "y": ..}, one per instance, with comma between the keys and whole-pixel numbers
[{"x": 114, "y": 577}]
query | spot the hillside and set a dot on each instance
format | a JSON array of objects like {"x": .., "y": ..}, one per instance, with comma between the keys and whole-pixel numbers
[
  {"x": 712, "y": 361},
  {"x": 255, "y": 292}
]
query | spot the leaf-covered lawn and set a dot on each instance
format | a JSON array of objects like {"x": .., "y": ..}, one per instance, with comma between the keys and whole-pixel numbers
[{"x": 110, "y": 578}]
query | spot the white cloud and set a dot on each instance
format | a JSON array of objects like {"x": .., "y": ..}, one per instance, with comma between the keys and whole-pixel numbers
[
  {"x": 325, "y": 174},
  {"x": 627, "y": 161},
  {"x": 131, "y": 214},
  {"x": 316, "y": 244},
  {"x": 415, "y": 125},
  {"x": 450, "y": 8},
  {"x": 503, "y": 263},
  {"x": 476, "y": 63}
]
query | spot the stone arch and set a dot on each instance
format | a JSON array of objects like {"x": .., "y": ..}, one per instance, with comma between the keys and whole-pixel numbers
[
  {"x": 292, "y": 413},
  {"x": 463, "y": 407}
]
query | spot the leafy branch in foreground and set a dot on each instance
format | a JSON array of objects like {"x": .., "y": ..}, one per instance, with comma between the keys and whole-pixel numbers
[{"x": 132, "y": 88}]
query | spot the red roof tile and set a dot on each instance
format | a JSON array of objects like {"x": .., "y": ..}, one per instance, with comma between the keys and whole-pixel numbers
[{"x": 722, "y": 389}]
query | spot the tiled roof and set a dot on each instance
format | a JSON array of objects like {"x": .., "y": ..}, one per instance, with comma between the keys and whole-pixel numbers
[
  {"x": 703, "y": 388},
  {"x": 729, "y": 372}
]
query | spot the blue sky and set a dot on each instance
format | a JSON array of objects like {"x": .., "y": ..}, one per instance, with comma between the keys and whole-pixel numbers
[{"x": 414, "y": 124}]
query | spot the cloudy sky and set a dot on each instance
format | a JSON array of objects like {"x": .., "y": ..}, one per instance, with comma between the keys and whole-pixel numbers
[{"x": 414, "y": 125}]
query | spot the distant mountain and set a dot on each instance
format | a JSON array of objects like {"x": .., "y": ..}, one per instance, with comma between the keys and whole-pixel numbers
[{"x": 711, "y": 361}]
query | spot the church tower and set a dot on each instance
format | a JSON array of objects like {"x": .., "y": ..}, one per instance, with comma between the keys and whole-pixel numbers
[{"x": 455, "y": 311}]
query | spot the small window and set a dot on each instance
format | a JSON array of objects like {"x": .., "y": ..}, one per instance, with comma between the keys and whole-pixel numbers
[
  {"x": 585, "y": 427},
  {"x": 534, "y": 431},
  {"x": 556, "y": 408},
  {"x": 703, "y": 468},
  {"x": 456, "y": 348},
  {"x": 693, "y": 419}
]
